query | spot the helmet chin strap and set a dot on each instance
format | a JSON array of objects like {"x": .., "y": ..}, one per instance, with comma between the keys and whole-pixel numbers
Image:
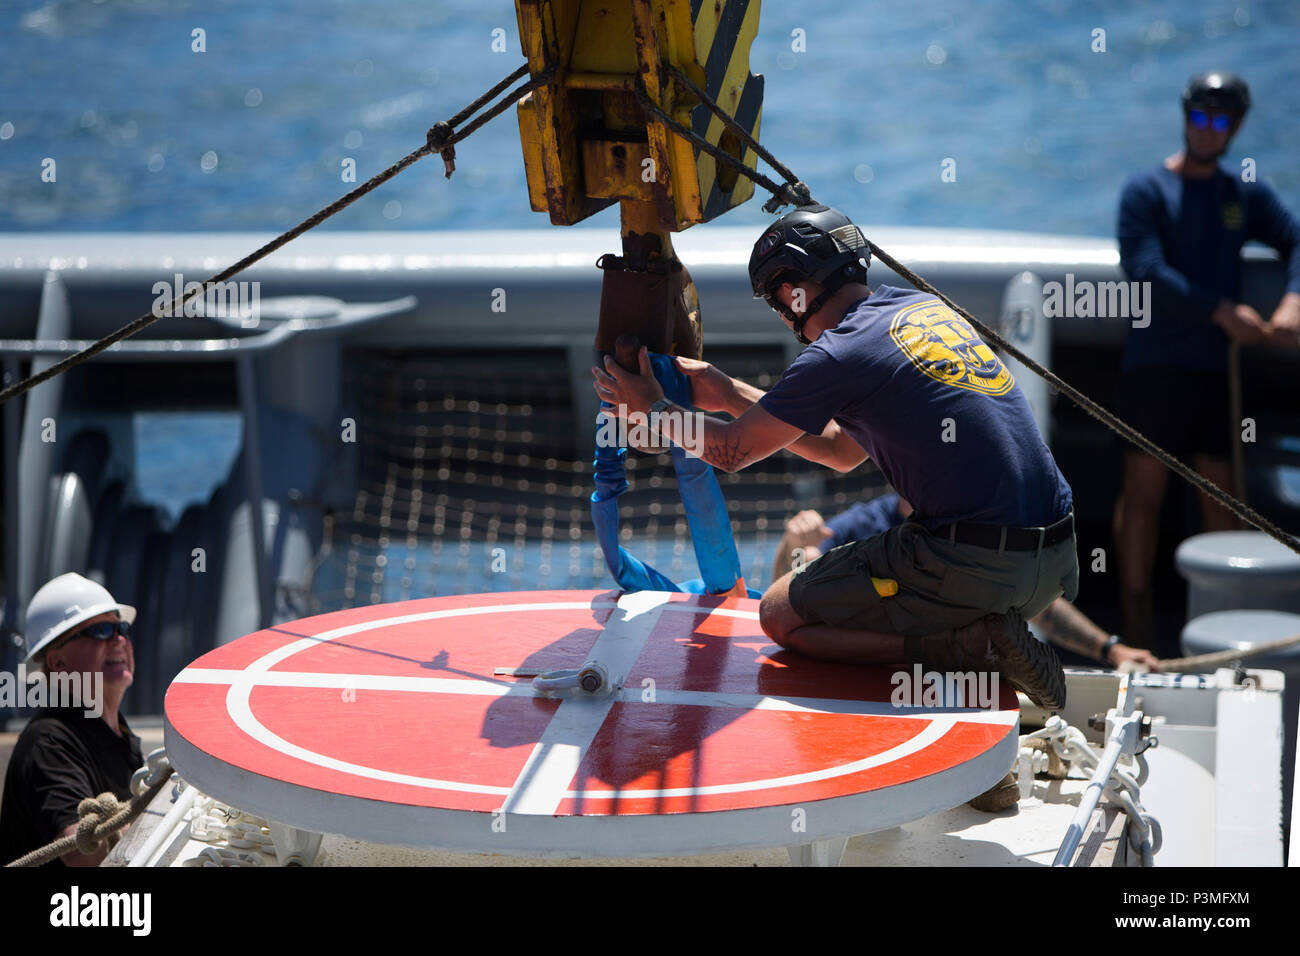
[{"x": 798, "y": 320}]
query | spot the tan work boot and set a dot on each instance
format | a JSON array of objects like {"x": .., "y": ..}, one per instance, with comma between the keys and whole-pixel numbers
[{"x": 1005, "y": 793}]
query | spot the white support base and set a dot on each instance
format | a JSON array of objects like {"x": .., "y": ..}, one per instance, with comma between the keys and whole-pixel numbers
[
  {"x": 1247, "y": 777},
  {"x": 294, "y": 847},
  {"x": 820, "y": 853},
  {"x": 1293, "y": 856}
]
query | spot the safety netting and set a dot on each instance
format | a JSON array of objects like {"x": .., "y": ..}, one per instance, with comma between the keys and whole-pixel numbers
[{"x": 474, "y": 475}]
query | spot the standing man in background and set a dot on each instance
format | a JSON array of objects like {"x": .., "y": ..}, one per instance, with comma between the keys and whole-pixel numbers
[{"x": 1181, "y": 228}]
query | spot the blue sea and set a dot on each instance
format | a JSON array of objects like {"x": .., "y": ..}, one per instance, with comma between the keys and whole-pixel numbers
[
  {"x": 149, "y": 135},
  {"x": 865, "y": 102}
]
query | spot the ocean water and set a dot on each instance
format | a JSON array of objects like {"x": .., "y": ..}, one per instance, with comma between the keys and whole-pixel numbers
[
  {"x": 180, "y": 457},
  {"x": 149, "y": 135}
]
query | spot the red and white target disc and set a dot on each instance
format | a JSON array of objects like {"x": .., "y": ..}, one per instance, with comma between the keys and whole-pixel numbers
[{"x": 387, "y": 723}]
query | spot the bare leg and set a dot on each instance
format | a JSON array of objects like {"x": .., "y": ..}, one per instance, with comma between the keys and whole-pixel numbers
[
  {"x": 1215, "y": 517},
  {"x": 822, "y": 641},
  {"x": 1137, "y": 520}
]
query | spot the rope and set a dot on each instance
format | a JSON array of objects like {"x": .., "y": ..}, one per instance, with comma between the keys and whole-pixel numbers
[
  {"x": 794, "y": 189},
  {"x": 1108, "y": 419},
  {"x": 1203, "y": 663},
  {"x": 791, "y": 179},
  {"x": 792, "y": 193},
  {"x": 1235, "y": 413},
  {"x": 99, "y": 817},
  {"x": 441, "y": 139}
]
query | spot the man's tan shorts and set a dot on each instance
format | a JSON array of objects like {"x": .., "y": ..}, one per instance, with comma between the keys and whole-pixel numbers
[{"x": 941, "y": 585}]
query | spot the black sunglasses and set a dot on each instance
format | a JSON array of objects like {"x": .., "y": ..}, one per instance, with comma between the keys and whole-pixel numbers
[{"x": 105, "y": 630}]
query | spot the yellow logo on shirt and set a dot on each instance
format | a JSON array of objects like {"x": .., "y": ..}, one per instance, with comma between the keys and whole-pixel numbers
[
  {"x": 942, "y": 345},
  {"x": 1232, "y": 217}
]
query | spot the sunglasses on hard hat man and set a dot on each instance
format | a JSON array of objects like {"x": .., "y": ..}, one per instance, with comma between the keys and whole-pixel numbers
[{"x": 99, "y": 631}]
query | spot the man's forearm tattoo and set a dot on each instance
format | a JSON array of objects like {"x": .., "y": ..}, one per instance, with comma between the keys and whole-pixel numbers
[
  {"x": 1066, "y": 631},
  {"x": 726, "y": 454}
]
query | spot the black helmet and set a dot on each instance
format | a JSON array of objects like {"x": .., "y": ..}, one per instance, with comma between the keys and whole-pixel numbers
[
  {"x": 816, "y": 243},
  {"x": 1217, "y": 90},
  {"x": 813, "y": 243}
]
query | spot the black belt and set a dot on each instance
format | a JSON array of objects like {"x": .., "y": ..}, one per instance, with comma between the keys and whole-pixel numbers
[{"x": 1007, "y": 539}]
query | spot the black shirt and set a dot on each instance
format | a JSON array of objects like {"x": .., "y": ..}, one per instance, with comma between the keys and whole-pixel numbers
[{"x": 61, "y": 758}]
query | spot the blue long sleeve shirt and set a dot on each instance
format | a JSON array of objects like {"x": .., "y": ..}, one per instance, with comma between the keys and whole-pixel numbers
[{"x": 1184, "y": 236}]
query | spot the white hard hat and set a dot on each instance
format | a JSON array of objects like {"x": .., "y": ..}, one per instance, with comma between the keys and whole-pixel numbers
[{"x": 63, "y": 603}]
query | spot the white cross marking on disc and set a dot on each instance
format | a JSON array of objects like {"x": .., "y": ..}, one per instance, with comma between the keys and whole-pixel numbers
[{"x": 541, "y": 784}]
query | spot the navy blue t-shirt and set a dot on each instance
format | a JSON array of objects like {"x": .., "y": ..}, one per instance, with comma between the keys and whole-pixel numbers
[
  {"x": 862, "y": 520},
  {"x": 1184, "y": 236},
  {"x": 933, "y": 406}
]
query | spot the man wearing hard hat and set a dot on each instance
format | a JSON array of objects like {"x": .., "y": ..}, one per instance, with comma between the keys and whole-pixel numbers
[{"x": 63, "y": 756}]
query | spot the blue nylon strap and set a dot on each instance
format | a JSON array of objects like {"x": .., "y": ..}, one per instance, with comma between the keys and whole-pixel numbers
[
  {"x": 706, "y": 513},
  {"x": 706, "y": 509},
  {"x": 628, "y": 572}
]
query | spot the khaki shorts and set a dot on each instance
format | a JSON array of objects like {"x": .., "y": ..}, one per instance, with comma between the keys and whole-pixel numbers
[{"x": 941, "y": 585}]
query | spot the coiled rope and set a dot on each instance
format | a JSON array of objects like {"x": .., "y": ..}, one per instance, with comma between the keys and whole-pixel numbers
[{"x": 102, "y": 816}]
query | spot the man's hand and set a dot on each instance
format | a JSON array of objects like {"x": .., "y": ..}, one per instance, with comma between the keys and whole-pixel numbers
[
  {"x": 1286, "y": 319},
  {"x": 628, "y": 391},
  {"x": 804, "y": 535},
  {"x": 712, "y": 389},
  {"x": 1242, "y": 323},
  {"x": 75, "y": 857},
  {"x": 807, "y": 529},
  {"x": 1123, "y": 654}
]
